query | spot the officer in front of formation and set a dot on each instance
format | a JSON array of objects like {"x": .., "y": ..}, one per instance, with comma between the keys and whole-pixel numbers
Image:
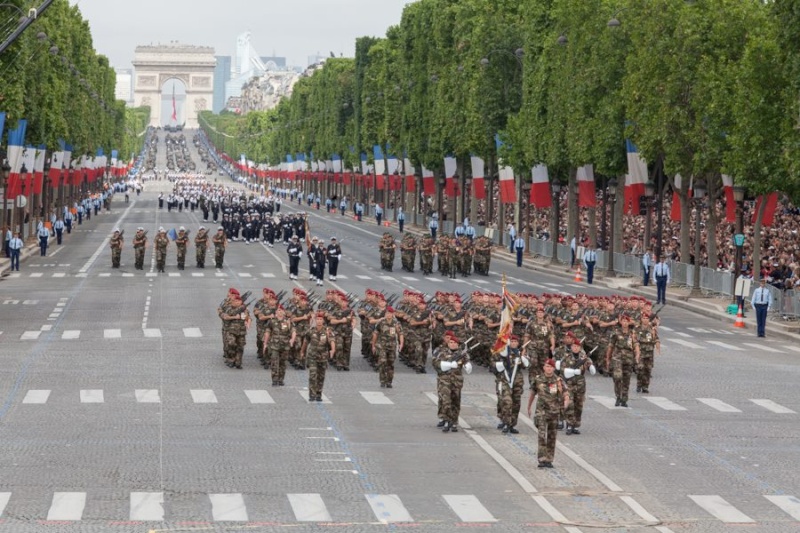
[
  {"x": 762, "y": 303},
  {"x": 334, "y": 254},
  {"x": 589, "y": 261}
]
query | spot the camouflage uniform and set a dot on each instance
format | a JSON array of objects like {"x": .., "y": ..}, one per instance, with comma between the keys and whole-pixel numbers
[
  {"x": 448, "y": 385},
  {"x": 160, "y": 242},
  {"x": 442, "y": 252},
  {"x": 301, "y": 315},
  {"x": 387, "y": 247},
  {"x": 623, "y": 347},
  {"x": 465, "y": 263},
  {"x": 200, "y": 246},
  {"x": 419, "y": 338},
  {"x": 220, "y": 241},
  {"x": 139, "y": 244},
  {"x": 408, "y": 252},
  {"x": 264, "y": 311},
  {"x": 318, "y": 345},
  {"x": 342, "y": 332},
  {"x": 542, "y": 339},
  {"x": 508, "y": 388},
  {"x": 278, "y": 337},
  {"x": 483, "y": 255},
  {"x": 426, "y": 254},
  {"x": 235, "y": 332},
  {"x": 180, "y": 244},
  {"x": 576, "y": 386},
  {"x": 116, "y": 249},
  {"x": 387, "y": 338},
  {"x": 648, "y": 339},
  {"x": 549, "y": 392}
]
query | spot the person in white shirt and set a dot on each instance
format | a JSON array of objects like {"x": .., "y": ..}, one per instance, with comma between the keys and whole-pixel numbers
[
  {"x": 433, "y": 225},
  {"x": 519, "y": 246},
  {"x": 589, "y": 261},
  {"x": 647, "y": 263},
  {"x": 661, "y": 273},
  {"x": 58, "y": 226},
  {"x": 512, "y": 235},
  {"x": 44, "y": 235},
  {"x": 15, "y": 247},
  {"x": 573, "y": 250},
  {"x": 761, "y": 302}
]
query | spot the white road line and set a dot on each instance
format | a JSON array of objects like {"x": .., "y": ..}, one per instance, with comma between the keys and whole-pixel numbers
[
  {"x": 698, "y": 330},
  {"x": 717, "y": 507},
  {"x": 60, "y": 275},
  {"x": 387, "y": 278},
  {"x": 152, "y": 333},
  {"x": 71, "y": 334},
  {"x": 719, "y": 405},
  {"x": 67, "y": 506},
  {"x": 606, "y": 401},
  {"x": 665, "y": 328},
  {"x": 267, "y": 275},
  {"x": 4, "y": 497},
  {"x": 769, "y": 405},
  {"x": 342, "y": 276},
  {"x": 147, "y": 506},
  {"x": 198, "y": 275},
  {"x": 92, "y": 396},
  {"x": 245, "y": 275},
  {"x": 762, "y": 347},
  {"x": 793, "y": 348},
  {"x": 639, "y": 510},
  {"x": 687, "y": 344},
  {"x": 468, "y": 508},
  {"x": 721, "y": 331},
  {"x": 309, "y": 508},
  {"x": 104, "y": 275},
  {"x": 304, "y": 393},
  {"x": 664, "y": 403},
  {"x": 376, "y": 398},
  {"x": 112, "y": 333},
  {"x": 147, "y": 396},
  {"x": 37, "y": 274},
  {"x": 174, "y": 274},
  {"x": 388, "y": 508},
  {"x": 228, "y": 507},
  {"x": 788, "y": 504},
  {"x": 127, "y": 275},
  {"x": 36, "y": 396},
  {"x": 727, "y": 346},
  {"x": 259, "y": 396},
  {"x": 203, "y": 396},
  {"x": 30, "y": 335},
  {"x": 192, "y": 332}
]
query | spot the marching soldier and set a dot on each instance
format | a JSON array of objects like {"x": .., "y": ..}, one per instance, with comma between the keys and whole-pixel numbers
[
  {"x": 543, "y": 342},
  {"x": 264, "y": 311},
  {"x": 483, "y": 255},
  {"x": 551, "y": 396},
  {"x": 442, "y": 252},
  {"x": 116, "y": 248},
  {"x": 647, "y": 335},
  {"x": 340, "y": 318},
  {"x": 220, "y": 242},
  {"x": 319, "y": 348},
  {"x": 236, "y": 321},
  {"x": 160, "y": 242},
  {"x": 408, "y": 252},
  {"x": 449, "y": 362},
  {"x": 295, "y": 250},
  {"x": 334, "y": 256},
  {"x": 387, "y": 248},
  {"x": 623, "y": 352},
  {"x": 181, "y": 241},
  {"x": 139, "y": 244},
  {"x": 300, "y": 313},
  {"x": 509, "y": 365},
  {"x": 574, "y": 368},
  {"x": 426, "y": 250},
  {"x": 387, "y": 340},
  {"x": 279, "y": 337},
  {"x": 419, "y": 333},
  {"x": 200, "y": 246}
]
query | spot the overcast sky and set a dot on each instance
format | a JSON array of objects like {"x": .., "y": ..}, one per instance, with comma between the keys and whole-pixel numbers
[{"x": 294, "y": 29}]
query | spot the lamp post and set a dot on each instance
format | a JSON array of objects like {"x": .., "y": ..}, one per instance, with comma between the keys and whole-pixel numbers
[
  {"x": 555, "y": 231},
  {"x": 649, "y": 192},
  {"x": 612, "y": 195},
  {"x": 23, "y": 178},
  {"x": 526, "y": 192},
  {"x": 699, "y": 192},
  {"x": 738, "y": 238},
  {"x": 6, "y": 170},
  {"x": 47, "y": 192}
]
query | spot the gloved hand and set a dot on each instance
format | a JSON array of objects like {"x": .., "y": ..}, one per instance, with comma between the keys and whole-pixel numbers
[
  {"x": 468, "y": 368},
  {"x": 526, "y": 362},
  {"x": 500, "y": 366},
  {"x": 592, "y": 370},
  {"x": 517, "y": 361},
  {"x": 447, "y": 365},
  {"x": 558, "y": 364}
]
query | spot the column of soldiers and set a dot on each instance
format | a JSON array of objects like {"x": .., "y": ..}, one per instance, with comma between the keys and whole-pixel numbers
[
  {"x": 161, "y": 244},
  {"x": 455, "y": 255}
]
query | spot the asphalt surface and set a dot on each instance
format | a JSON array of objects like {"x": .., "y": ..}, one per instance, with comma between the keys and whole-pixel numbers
[{"x": 118, "y": 414}]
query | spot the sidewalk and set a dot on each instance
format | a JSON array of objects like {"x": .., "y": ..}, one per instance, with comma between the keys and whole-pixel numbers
[{"x": 31, "y": 247}]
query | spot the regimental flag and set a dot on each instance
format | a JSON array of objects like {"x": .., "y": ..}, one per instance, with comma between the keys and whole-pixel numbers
[
  {"x": 478, "y": 177},
  {"x": 428, "y": 181},
  {"x": 450, "y": 167},
  {"x": 586, "y": 193},
  {"x": 510, "y": 305},
  {"x": 411, "y": 180},
  {"x": 730, "y": 201},
  {"x": 769, "y": 209},
  {"x": 540, "y": 197},
  {"x": 308, "y": 235},
  {"x": 16, "y": 147},
  {"x": 38, "y": 168},
  {"x": 172, "y": 234},
  {"x": 634, "y": 179},
  {"x": 174, "y": 106}
]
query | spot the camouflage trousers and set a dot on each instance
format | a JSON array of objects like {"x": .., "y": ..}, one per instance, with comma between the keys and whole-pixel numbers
[
  {"x": 181, "y": 257},
  {"x": 466, "y": 264},
  {"x": 408, "y": 259},
  {"x": 621, "y": 371},
  {"x": 261, "y": 328},
  {"x": 547, "y": 426},
  {"x": 343, "y": 345},
  {"x": 200, "y": 255},
  {"x": 366, "y": 338},
  {"x": 161, "y": 259},
  {"x": 577, "y": 397},
  {"x": 444, "y": 265},
  {"x": 386, "y": 364},
  {"x": 219, "y": 256},
  {"x": 116, "y": 254},
  {"x": 296, "y": 356},
  {"x": 419, "y": 353},
  {"x": 387, "y": 260},
  {"x": 234, "y": 347},
  {"x": 644, "y": 370},
  {"x": 138, "y": 255},
  {"x": 449, "y": 389},
  {"x": 426, "y": 263},
  {"x": 481, "y": 354},
  {"x": 317, "y": 365},
  {"x": 278, "y": 354},
  {"x": 509, "y": 399}
]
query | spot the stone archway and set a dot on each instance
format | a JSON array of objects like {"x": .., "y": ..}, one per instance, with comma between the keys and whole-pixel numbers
[{"x": 192, "y": 65}]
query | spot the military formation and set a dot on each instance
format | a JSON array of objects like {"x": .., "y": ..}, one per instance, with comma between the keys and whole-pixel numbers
[
  {"x": 161, "y": 243},
  {"x": 455, "y": 256}
]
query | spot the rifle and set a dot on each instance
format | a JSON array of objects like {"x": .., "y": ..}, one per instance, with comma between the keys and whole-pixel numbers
[
  {"x": 280, "y": 296},
  {"x": 121, "y": 233}
]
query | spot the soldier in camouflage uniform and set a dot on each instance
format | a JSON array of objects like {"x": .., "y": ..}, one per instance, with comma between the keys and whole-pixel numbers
[
  {"x": 367, "y": 308},
  {"x": 443, "y": 254},
  {"x": 220, "y": 242},
  {"x": 139, "y": 245},
  {"x": 300, "y": 312},
  {"x": 408, "y": 252},
  {"x": 551, "y": 396},
  {"x": 376, "y": 315},
  {"x": 419, "y": 335},
  {"x": 454, "y": 257},
  {"x": 340, "y": 318},
  {"x": 387, "y": 340},
  {"x": 438, "y": 324},
  {"x": 448, "y": 363},
  {"x": 264, "y": 311},
  {"x": 237, "y": 320},
  {"x": 200, "y": 247},
  {"x": 465, "y": 257},
  {"x": 426, "y": 250},
  {"x": 181, "y": 242},
  {"x": 647, "y": 335},
  {"x": 116, "y": 248},
  {"x": 623, "y": 353},
  {"x": 574, "y": 368},
  {"x": 319, "y": 347},
  {"x": 607, "y": 324},
  {"x": 387, "y": 248},
  {"x": 160, "y": 243},
  {"x": 509, "y": 366},
  {"x": 279, "y": 337},
  {"x": 543, "y": 342},
  {"x": 483, "y": 255}
]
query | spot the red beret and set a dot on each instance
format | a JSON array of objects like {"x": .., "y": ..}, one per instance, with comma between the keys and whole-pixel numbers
[
  {"x": 390, "y": 309},
  {"x": 550, "y": 362},
  {"x": 233, "y": 292},
  {"x": 514, "y": 338}
]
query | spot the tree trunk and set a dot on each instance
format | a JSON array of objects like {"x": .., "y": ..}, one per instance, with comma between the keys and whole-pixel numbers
[
  {"x": 573, "y": 219},
  {"x": 593, "y": 226},
  {"x": 712, "y": 220},
  {"x": 619, "y": 210},
  {"x": 686, "y": 223},
  {"x": 756, "y": 259}
]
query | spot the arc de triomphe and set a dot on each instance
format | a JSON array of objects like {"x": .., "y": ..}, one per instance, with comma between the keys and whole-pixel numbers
[{"x": 193, "y": 65}]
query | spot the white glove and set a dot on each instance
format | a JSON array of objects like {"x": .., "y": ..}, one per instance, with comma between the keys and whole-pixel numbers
[
  {"x": 578, "y": 371},
  {"x": 526, "y": 362},
  {"x": 558, "y": 364},
  {"x": 447, "y": 365},
  {"x": 517, "y": 361},
  {"x": 339, "y": 257},
  {"x": 592, "y": 370},
  {"x": 244, "y": 315},
  {"x": 468, "y": 368},
  {"x": 500, "y": 366}
]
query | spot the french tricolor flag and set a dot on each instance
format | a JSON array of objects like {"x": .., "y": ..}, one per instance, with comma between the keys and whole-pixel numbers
[
  {"x": 428, "y": 181},
  {"x": 450, "y": 166},
  {"x": 38, "y": 168},
  {"x": 16, "y": 147},
  {"x": 586, "y": 193},
  {"x": 29, "y": 162},
  {"x": 675, "y": 212},
  {"x": 540, "y": 188},
  {"x": 508, "y": 192},
  {"x": 769, "y": 209},
  {"x": 635, "y": 178},
  {"x": 478, "y": 177},
  {"x": 380, "y": 163},
  {"x": 56, "y": 166},
  {"x": 411, "y": 180}
]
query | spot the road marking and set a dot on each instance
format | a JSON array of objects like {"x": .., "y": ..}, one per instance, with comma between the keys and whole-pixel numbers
[
  {"x": 127, "y": 275},
  {"x": 198, "y": 275},
  {"x": 259, "y": 396},
  {"x": 342, "y": 276},
  {"x": 769, "y": 405},
  {"x": 67, "y": 506},
  {"x": 665, "y": 404},
  {"x": 147, "y": 396},
  {"x": 682, "y": 334},
  {"x": 719, "y": 405},
  {"x": 793, "y": 348},
  {"x": 639, "y": 510},
  {"x": 174, "y": 274},
  {"x": 203, "y": 396},
  {"x": 788, "y": 504},
  {"x": 30, "y": 335},
  {"x": 267, "y": 275},
  {"x": 92, "y": 396},
  {"x": 376, "y": 398},
  {"x": 37, "y": 274},
  {"x": 228, "y": 507},
  {"x": 304, "y": 393},
  {"x": 727, "y": 346},
  {"x": 665, "y": 328},
  {"x": 4, "y": 497},
  {"x": 60, "y": 275},
  {"x": 112, "y": 333},
  {"x": 721, "y": 331},
  {"x": 699, "y": 330},
  {"x": 192, "y": 332},
  {"x": 36, "y": 396},
  {"x": 687, "y": 344},
  {"x": 147, "y": 506},
  {"x": 245, "y": 275},
  {"x": 387, "y": 278},
  {"x": 388, "y": 508},
  {"x": 409, "y": 278},
  {"x": 363, "y": 277},
  {"x": 309, "y": 508},
  {"x": 152, "y": 333},
  {"x": 762, "y": 347},
  {"x": 468, "y": 508},
  {"x": 606, "y": 401},
  {"x": 722, "y": 510},
  {"x": 71, "y": 334},
  {"x": 221, "y": 274},
  {"x": 105, "y": 275}
]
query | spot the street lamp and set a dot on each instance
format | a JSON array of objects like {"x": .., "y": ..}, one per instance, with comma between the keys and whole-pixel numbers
[
  {"x": 699, "y": 192},
  {"x": 738, "y": 238},
  {"x": 526, "y": 194},
  {"x": 612, "y": 195},
  {"x": 554, "y": 233},
  {"x": 649, "y": 192},
  {"x": 6, "y": 170}
]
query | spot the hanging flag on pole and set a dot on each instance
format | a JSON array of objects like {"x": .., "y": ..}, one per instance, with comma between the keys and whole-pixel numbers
[
  {"x": 508, "y": 191},
  {"x": 540, "y": 196},
  {"x": 635, "y": 178},
  {"x": 174, "y": 107},
  {"x": 478, "y": 183},
  {"x": 586, "y": 193},
  {"x": 506, "y": 320},
  {"x": 730, "y": 201},
  {"x": 450, "y": 167}
]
